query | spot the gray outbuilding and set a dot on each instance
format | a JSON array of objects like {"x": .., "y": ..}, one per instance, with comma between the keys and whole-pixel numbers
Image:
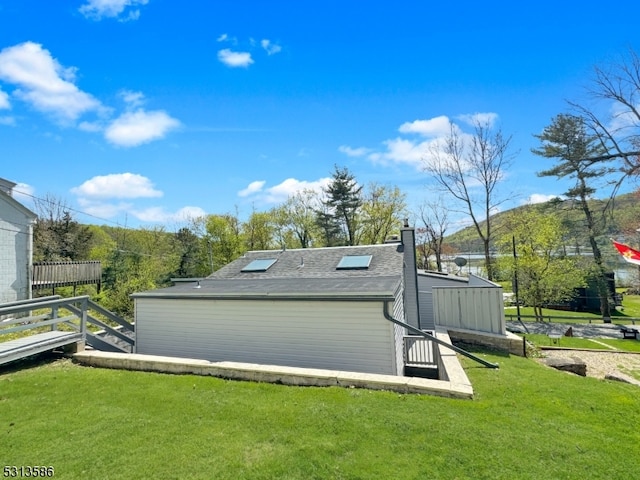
[{"x": 316, "y": 308}]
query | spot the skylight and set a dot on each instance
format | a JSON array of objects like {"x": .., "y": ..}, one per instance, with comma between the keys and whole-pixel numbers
[
  {"x": 260, "y": 265},
  {"x": 354, "y": 262}
]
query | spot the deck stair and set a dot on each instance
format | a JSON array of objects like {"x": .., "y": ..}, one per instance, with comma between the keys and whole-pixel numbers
[{"x": 48, "y": 330}]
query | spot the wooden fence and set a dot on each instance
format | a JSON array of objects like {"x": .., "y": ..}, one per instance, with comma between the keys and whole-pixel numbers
[{"x": 64, "y": 274}]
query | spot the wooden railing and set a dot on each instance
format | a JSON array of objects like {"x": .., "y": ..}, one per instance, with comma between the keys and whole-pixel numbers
[
  {"x": 61, "y": 274},
  {"x": 44, "y": 315}
]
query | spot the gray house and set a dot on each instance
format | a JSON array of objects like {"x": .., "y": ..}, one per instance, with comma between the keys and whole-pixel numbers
[
  {"x": 324, "y": 308},
  {"x": 16, "y": 245}
]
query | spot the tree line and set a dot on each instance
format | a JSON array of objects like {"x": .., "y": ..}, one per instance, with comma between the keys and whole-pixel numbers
[
  {"x": 595, "y": 144},
  {"x": 343, "y": 213}
]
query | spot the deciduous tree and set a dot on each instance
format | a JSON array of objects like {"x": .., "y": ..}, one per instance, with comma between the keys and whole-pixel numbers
[
  {"x": 470, "y": 168},
  {"x": 545, "y": 274},
  {"x": 434, "y": 218},
  {"x": 57, "y": 236},
  {"x": 381, "y": 214}
]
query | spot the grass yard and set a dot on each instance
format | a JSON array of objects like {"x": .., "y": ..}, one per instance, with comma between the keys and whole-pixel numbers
[
  {"x": 630, "y": 310},
  {"x": 527, "y": 422},
  {"x": 541, "y": 340}
]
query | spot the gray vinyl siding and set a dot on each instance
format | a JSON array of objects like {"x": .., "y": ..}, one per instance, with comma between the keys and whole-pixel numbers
[
  {"x": 410, "y": 279},
  {"x": 347, "y": 335},
  {"x": 471, "y": 308},
  {"x": 399, "y": 332},
  {"x": 426, "y": 282},
  {"x": 426, "y": 310}
]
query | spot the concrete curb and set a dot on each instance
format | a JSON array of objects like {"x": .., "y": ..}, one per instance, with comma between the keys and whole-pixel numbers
[{"x": 457, "y": 386}]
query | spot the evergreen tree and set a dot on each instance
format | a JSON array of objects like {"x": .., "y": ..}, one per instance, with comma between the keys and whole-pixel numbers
[
  {"x": 343, "y": 199},
  {"x": 579, "y": 156}
]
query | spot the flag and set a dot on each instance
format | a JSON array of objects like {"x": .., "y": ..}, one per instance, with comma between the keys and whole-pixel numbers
[{"x": 628, "y": 253}]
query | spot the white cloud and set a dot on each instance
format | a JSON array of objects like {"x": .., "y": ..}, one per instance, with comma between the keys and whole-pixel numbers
[
  {"x": 117, "y": 185},
  {"x": 623, "y": 118},
  {"x": 9, "y": 121},
  {"x": 23, "y": 193},
  {"x": 222, "y": 37},
  {"x": 254, "y": 187},
  {"x": 135, "y": 128},
  {"x": 540, "y": 198},
  {"x": 103, "y": 209},
  {"x": 403, "y": 151},
  {"x": 353, "y": 152},
  {"x": 416, "y": 153},
  {"x": 43, "y": 82},
  {"x": 132, "y": 99},
  {"x": 279, "y": 193},
  {"x": 160, "y": 215},
  {"x": 90, "y": 127},
  {"x": 434, "y": 127},
  {"x": 235, "y": 59},
  {"x": 106, "y": 210},
  {"x": 97, "y": 9},
  {"x": 270, "y": 48},
  {"x": 487, "y": 118},
  {"x": 4, "y": 101}
]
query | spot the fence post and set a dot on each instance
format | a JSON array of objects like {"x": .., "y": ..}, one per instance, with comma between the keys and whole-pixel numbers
[
  {"x": 54, "y": 314},
  {"x": 83, "y": 318}
]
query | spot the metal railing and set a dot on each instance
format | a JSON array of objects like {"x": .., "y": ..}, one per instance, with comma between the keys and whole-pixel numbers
[
  {"x": 434, "y": 339},
  {"x": 420, "y": 351}
]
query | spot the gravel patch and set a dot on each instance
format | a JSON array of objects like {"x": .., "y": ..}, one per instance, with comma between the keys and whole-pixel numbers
[{"x": 600, "y": 364}]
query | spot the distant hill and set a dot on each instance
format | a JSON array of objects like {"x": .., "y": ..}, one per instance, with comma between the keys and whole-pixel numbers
[{"x": 622, "y": 224}]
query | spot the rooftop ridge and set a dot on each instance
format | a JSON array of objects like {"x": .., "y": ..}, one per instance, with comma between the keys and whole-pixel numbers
[{"x": 276, "y": 251}]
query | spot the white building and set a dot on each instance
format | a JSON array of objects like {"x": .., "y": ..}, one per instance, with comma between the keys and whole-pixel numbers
[{"x": 16, "y": 245}]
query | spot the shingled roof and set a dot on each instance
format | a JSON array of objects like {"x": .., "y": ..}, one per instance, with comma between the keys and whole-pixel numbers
[{"x": 300, "y": 273}]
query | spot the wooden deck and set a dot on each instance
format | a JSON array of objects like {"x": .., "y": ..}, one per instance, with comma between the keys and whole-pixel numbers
[{"x": 33, "y": 344}]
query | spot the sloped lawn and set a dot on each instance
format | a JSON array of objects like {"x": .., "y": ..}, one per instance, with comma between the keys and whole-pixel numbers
[{"x": 527, "y": 422}]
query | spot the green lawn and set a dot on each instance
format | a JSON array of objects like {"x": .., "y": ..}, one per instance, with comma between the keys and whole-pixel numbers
[
  {"x": 541, "y": 340},
  {"x": 630, "y": 309},
  {"x": 527, "y": 422}
]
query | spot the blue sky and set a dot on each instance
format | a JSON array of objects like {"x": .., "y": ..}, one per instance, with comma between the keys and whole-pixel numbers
[{"x": 143, "y": 112}]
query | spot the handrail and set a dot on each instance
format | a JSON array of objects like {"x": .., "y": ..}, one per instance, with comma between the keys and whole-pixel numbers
[
  {"x": 30, "y": 301},
  {"x": 114, "y": 318},
  {"x": 428, "y": 336},
  {"x": 49, "y": 302},
  {"x": 78, "y": 307},
  {"x": 108, "y": 328}
]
